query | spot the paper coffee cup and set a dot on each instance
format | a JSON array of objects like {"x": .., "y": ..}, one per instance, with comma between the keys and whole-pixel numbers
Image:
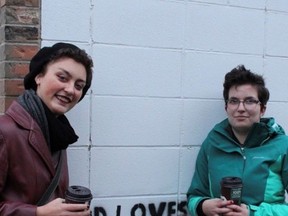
[
  {"x": 231, "y": 189},
  {"x": 78, "y": 194}
]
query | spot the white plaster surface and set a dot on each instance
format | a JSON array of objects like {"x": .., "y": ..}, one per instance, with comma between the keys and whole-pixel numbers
[{"x": 157, "y": 87}]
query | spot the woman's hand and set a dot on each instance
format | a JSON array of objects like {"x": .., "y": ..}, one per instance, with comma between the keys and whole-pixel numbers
[
  {"x": 241, "y": 210},
  {"x": 216, "y": 207},
  {"x": 58, "y": 207}
]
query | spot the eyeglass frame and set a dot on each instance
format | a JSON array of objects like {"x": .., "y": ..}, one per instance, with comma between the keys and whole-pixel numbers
[{"x": 253, "y": 101}]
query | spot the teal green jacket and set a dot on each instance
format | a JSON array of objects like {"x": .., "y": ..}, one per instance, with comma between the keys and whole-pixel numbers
[{"x": 262, "y": 163}]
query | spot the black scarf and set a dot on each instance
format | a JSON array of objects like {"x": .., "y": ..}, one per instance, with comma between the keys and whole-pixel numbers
[{"x": 57, "y": 130}]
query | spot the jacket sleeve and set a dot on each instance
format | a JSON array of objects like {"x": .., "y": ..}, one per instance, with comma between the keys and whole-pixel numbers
[
  {"x": 199, "y": 188},
  {"x": 8, "y": 208},
  {"x": 17, "y": 209},
  {"x": 267, "y": 209}
]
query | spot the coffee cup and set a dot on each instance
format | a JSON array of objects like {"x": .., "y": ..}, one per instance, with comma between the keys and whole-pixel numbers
[
  {"x": 231, "y": 189},
  {"x": 78, "y": 194}
]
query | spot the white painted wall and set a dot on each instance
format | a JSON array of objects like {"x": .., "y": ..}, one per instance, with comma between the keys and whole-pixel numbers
[{"x": 157, "y": 88}]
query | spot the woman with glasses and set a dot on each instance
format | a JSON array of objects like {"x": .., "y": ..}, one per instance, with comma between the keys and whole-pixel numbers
[{"x": 246, "y": 146}]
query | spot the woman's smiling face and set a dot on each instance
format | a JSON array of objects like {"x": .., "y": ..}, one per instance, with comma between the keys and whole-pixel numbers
[{"x": 61, "y": 85}]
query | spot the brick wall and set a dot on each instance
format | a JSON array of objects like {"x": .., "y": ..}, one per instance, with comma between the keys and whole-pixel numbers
[{"x": 19, "y": 41}]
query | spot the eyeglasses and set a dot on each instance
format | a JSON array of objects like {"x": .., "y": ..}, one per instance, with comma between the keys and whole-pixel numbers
[{"x": 248, "y": 103}]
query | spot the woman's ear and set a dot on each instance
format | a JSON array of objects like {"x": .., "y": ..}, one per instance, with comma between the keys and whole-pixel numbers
[
  {"x": 263, "y": 109},
  {"x": 38, "y": 78}
]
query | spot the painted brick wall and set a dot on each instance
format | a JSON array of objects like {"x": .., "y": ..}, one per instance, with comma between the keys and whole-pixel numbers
[
  {"x": 19, "y": 41},
  {"x": 157, "y": 88}
]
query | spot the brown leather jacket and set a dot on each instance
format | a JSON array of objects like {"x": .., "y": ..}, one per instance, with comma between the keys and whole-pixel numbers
[{"x": 26, "y": 164}]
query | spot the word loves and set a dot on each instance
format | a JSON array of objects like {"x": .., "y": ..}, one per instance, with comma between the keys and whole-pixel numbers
[{"x": 152, "y": 209}]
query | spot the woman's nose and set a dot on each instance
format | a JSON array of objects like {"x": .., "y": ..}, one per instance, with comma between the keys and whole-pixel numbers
[
  {"x": 241, "y": 105},
  {"x": 70, "y": 88}
]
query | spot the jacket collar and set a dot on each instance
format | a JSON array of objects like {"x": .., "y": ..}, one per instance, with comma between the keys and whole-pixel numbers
[
  {"x": 36, "y": 138},
  {"x": 259, "y": 133}
]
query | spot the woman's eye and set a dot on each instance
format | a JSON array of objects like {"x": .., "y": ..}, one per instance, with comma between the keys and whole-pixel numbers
[
  {"x": 79, "y": 87},
  {"x": 62, "y": 78},
  {"x": 250, "y": 101},
  {"x": 234, "y": 101}
]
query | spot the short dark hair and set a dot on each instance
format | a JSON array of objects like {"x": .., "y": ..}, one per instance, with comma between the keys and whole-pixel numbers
[{"x": 241, "y": 76}]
